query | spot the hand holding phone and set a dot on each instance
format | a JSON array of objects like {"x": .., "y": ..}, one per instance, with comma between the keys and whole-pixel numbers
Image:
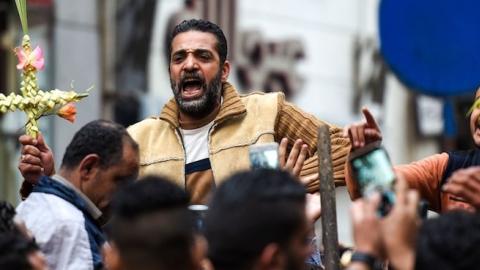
[{"x": 373, "y": 171}]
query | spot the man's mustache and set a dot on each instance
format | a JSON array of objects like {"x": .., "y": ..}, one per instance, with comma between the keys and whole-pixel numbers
[{"x": 191, "y": 76}]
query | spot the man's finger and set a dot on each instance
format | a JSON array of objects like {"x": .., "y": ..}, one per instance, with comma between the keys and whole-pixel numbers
[
  {"x": 282, "y": 152},
  {"x": 361, "y": 135},
  {"x": 28, "y": 169},
  {"x": 294, "y": 152},
  {"x": 354, "y": 136},
  {"x": 300, "y": 160},
  {"x": 413, "y": 199},
  {"x": 372, "y": 134},
  {"x": 473, "y": 185},
  {"x": 41, "y": 142},
  {"x": 401, "y": 188},
  {"x": 26, "y": 140},
  {"x": 474, "y": 172},
  {"x": 30, "y": 150},
  {"x": 458, "y": 191},
  {"x": 375, "y": 200},
  {"x": 42, "y": 146},
  {"x": 371, "y": 205},
  {"x": 33, "y": 160},
  {"x": 357, "y": 211},
  {"x": 369, "y": 118}
]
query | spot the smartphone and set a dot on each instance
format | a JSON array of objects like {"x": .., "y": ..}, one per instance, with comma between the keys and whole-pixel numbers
[
  {"x": 264, "y": 156},
  {"x": 373, "y": 171},
  {"x": 199, "y": 211}
]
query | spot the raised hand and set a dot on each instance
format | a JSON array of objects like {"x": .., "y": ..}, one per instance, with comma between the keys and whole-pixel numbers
[
  {"x": 294, "y": 162},
  {"x": 364, "y": 132},
  {"x": 392, "y": 237},
  {"x": 399, "y": 228},
  {"x": 36, "y": 158},
  {"x": 366, "y": 226}
]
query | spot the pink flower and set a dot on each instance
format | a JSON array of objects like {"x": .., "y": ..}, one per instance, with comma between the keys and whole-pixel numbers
[
  {"x": 34, "y": 59},
  {"x": 68, "y": 112}
]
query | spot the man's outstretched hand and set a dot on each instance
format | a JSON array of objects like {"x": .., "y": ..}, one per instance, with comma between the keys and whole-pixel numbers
[
  {"x": 363, "y": 133},
  {"x": 294, "y": 162},
  {"x": 36, "y": 158}
]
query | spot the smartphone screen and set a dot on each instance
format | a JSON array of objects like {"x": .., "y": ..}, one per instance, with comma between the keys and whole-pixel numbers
[
  {"x": 373, "y": 170},
  {"x": 264, "y": 156}
]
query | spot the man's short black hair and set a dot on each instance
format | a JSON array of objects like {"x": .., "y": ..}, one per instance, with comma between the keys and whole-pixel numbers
[
  {"x": 14, "y": 251},
  {"x": 147, "y": 195},
  {"x": 449, "y": 242},
  {"x": 151, "y": 225},
  {"x": 249, "y": 211},
  {"x": 202, "y": 26},
  {"x": 101, "y": 137}
]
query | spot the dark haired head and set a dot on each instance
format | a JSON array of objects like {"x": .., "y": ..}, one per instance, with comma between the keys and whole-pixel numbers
[
  {"x": 15, "y": 250},
  {"x": 101, "y": 137},
  {"x": 249, "y": 211},
  {"x": 151, "y": 225},
  {"x": 449, "y": 242},
  {"x": 148, "y": 195},
  {"x": 202, "y": 26}
]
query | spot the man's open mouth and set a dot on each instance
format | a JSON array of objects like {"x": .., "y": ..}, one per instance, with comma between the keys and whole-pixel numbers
[{"x": 192, "y": 88}]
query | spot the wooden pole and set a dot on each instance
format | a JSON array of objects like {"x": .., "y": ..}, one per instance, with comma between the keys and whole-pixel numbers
[{"x": 327, "y": 197}]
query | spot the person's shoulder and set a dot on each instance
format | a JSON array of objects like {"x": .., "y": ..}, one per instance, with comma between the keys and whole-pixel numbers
[
  {"x": 145, "y": 122},
  {"x": 261, "y": 95},
  {"x": 257, "y": 98},
  {"x": 41, "y": 207},
  {"x": 145, "y": 125},
  {"x": 464, "y": 153}
]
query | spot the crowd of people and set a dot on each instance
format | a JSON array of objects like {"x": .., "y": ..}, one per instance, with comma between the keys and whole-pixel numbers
[{"x": 128, "y": 198}]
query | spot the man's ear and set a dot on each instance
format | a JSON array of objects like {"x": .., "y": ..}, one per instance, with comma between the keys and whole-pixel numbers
[
  {"x": 89, "y": 166},
  {"x": 271, "y": 257},
  {"x": 225, "y": 70}
]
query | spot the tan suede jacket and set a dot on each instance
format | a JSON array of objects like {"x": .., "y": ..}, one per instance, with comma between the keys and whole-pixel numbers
[{"x": 241, "y": 122}]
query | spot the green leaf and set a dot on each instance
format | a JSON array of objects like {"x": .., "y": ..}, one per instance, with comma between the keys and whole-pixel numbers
[{"x": 22, "y": 13}]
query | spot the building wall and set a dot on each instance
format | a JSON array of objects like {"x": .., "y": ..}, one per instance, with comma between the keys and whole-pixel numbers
[{"x": 77, "y": 61}]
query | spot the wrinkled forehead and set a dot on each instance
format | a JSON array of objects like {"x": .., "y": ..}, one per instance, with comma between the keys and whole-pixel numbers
[{"x": 193, "y": 40}]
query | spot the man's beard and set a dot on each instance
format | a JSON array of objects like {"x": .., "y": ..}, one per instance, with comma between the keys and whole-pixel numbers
[{"x": 204, "y": 104}]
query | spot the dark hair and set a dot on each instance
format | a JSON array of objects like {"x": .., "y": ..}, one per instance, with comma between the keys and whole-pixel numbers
[
  {"x": 7, "y": 213},
  {"x": 101, "y": 137},
  {"x": 151, "y": 225},
  {"x": 147, "y": 195},
  {"x": 450, "y": 241},
  {"x": 14, "y": 251},
  {"x": 202, "y": 26},
  {"x": 249, "y": 211}
]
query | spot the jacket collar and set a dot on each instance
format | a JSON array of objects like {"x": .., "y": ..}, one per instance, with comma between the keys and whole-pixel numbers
[
  {"x": 58, "y": 188},
  {"x": 232, "y": 106}
]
